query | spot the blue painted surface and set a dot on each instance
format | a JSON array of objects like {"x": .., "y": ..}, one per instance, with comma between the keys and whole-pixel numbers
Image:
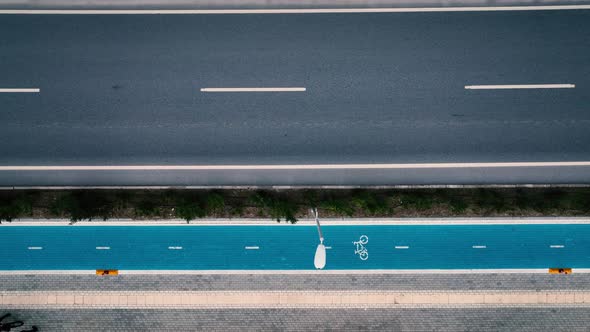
[{"x": 293, "y": 247}]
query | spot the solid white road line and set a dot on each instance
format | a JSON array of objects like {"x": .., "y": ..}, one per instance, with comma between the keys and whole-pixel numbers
[
  {"x": 280, "y": 167},
  {"x": 520, "y": 86},
  {"x": 175, "y": 248},
  {"x": 556, "y": 246},
  {"x": 103, "y": 248},
  {"x": 479, "y": 247},
  {"x": 35, "y": 248},
  {"x": 283, "y": 11},
  {"x": 269, "y": 89},
  {"x": 33, "y": 90},
  {"x": 252, "y": 247},
  {"x": 402, "y": 247}
]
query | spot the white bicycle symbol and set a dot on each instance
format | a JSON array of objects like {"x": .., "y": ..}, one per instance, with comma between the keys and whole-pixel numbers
[{"x": 360, "y": 248}]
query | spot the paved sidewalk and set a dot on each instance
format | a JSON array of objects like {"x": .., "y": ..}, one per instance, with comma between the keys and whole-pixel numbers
[{"x": 287, "y": 299}]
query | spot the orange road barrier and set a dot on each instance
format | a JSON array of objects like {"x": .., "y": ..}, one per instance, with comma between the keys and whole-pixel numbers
[
  {"x": 560, "y": 271},
  {"x": 107, "y": 272}
]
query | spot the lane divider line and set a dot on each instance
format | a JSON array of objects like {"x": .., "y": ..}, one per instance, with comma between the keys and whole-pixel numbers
[
  {"x": 479, "y": 247},
  {"x": 35, "y": 248},
  {"x": 268, "y": 89},
  {"x": 402, "y": 247},
  {"x": 251, "y": 247},
  {"x": 328, "y": 248},
  {"x": 27, "y": 90},
  {"x": 556, "y": 246},
  {"x": 282, "y": 11},
  {"x": 103, "y": 248},
  {"x": 520, "y": 86},
  {"x": 175, "y": 248},
  {"x": 291, "y": 167}
]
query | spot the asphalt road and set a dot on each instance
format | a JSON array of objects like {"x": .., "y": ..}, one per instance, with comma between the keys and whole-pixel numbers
[
  {"x": 380, "y": 88},
  {"x": 293, "y": 247}
]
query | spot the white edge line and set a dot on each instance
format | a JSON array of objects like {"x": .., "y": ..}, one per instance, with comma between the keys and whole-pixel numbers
[
  {"x": 402, "y": 247},
  {"x": 284, "y": 11},
  {"x": 292, "y": 272},
  {"x": 520, "y": 86},
  {"x": 268, "y": 89},
  {"x": 103, "y": 248},
  {"x": 35, "y": 248},
  {"x": 556, "y": 246},
  {"x": 479, "y": 247},
  {"x": 251, "y": 247},
  {"x": 174, "y": 248},
  {"x": 282, "y": 167},
  {"x": 32, "y": 90}
]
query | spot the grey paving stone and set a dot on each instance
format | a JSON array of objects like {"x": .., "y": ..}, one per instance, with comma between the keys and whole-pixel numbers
[
  {"x": 297, "y": 282},
  {"x": 488, "y": 319}
]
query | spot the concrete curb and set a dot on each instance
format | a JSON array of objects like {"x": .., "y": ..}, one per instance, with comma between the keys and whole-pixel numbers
[
  {"x": 306, "y": 222},
  {"x": 287, "y": 272}
]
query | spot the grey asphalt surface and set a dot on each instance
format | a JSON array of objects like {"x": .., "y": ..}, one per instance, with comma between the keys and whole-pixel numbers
[
  {"x": 381, "y": 88},
  {"x": 398, "y": 320}
]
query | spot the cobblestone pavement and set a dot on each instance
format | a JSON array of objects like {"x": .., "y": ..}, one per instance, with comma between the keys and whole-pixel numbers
[
  {"x": 486, "y": 319},
  {"x": 296, "y": 282}
]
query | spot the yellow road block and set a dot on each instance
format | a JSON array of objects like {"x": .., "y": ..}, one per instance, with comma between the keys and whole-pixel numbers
[
  {"x": 107, "y": 272},
  {"x": 557, "y": 270}
]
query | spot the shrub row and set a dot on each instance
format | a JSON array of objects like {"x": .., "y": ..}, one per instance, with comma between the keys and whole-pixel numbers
[{"x": 289, "y": 205}]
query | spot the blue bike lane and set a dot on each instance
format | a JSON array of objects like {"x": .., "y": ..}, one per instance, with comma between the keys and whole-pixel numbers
[{"x": 284, "y": 247}]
